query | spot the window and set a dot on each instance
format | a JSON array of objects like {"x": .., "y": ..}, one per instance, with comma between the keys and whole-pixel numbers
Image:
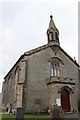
[
  {"x": 55, "y": 69},
  {"x": 56, "y": 36},
  {"x": 52, "y": 37},
  {"x": 17, "y": 72},
  {"x": 9, "y": 88}
]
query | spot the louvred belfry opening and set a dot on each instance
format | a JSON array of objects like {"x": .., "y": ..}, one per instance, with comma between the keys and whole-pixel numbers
[{"x": 53, "y": 32}]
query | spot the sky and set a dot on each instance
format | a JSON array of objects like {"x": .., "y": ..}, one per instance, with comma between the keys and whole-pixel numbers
[{"x": 24, "y": 23}]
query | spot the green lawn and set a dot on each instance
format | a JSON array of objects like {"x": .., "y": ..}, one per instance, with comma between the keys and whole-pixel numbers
[
  {"x": 26, "y": 117},
  {"x": 2, "y": 110}
]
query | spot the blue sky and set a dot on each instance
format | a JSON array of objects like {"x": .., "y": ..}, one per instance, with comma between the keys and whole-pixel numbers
[{"x": 23, "y": 26}]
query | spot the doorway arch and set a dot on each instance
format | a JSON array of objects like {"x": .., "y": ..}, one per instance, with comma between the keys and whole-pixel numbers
[{"x": 65, "y": 100}]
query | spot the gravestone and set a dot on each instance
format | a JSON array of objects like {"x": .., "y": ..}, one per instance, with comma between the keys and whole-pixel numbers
[
  {"x": 20, "y": 114},
  {"x": 55, "y": 113}
]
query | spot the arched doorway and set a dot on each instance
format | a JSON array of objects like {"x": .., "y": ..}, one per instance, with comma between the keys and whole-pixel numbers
[{"x": 65, "y": 100}]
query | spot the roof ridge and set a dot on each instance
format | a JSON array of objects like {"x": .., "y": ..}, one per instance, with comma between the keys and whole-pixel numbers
[
  {"x": 75, "y": 62},
  {"x": 36, "y": 49}
]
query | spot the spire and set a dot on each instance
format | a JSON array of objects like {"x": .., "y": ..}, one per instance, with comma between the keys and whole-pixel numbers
[
  {"x": 53, "y": 33},
  {"x": 52, "y": 24}
]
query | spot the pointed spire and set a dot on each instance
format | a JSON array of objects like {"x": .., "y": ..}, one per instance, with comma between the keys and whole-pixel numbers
[
  {"x": 53, "y": 33},
  {"x": 52, "y": 24}
]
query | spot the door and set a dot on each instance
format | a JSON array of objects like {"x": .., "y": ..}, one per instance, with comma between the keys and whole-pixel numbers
[{"x": 65, "y": 100}]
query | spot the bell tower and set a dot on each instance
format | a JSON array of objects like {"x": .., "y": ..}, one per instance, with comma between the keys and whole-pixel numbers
[{"x": 53, "y": 33}]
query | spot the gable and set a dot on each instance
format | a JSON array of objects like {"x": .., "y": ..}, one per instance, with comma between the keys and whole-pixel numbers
[
  {"x": 36, "y": 50},
  {"x": 69, "y": 57}
]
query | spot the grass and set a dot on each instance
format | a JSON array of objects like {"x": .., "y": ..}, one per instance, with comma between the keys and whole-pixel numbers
[
  {"x": 26, "y": 117},
  {"x": 2, "y": 110}
]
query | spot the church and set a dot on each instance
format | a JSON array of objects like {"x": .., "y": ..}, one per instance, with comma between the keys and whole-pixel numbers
[{"x": 43, "y": 76}]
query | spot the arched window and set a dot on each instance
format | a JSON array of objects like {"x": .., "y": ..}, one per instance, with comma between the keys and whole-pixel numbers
[
  {"x": 9, "y": 88},
  {"x": 51, "y": 36},
  {"x": 56, "y": 36},
  {"x": 56, "y": 67},
  {"x": 17, "y": 73}
]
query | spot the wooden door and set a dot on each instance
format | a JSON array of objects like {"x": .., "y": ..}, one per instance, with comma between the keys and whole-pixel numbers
[{"x": 65, "y": 100}]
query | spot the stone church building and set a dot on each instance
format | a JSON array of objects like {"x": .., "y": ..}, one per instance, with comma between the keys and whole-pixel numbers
[{"x": 43, "y": 76}]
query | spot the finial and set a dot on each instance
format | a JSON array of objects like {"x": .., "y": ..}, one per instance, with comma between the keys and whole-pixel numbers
[
  {"x": 74, "y": 59},
  {"x": 51, "y": 16}
]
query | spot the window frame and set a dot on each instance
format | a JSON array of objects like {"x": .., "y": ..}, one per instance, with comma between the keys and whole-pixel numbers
[{"x": 56, "y": 69}]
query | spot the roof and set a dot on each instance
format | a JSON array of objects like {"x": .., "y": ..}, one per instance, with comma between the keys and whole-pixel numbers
[
  {"x": 45, "y": 46},
  {"x": 33, "y": 51},
  {"x": 75, "y": 62}
]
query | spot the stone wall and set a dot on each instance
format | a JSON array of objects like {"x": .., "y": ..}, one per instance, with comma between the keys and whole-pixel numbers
[
  {"x": 35, "y": 70},
  {"x": 38, "y": 71}
]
